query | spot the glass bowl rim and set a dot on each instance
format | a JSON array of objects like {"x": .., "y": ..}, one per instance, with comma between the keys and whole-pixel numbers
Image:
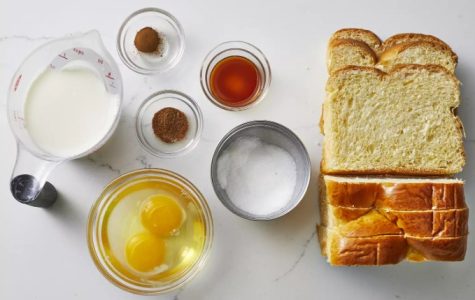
[{"x": 240, "y": 46}]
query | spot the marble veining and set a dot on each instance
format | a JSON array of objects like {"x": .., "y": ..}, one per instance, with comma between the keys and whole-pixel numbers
[{"x": 299, "y": 258}]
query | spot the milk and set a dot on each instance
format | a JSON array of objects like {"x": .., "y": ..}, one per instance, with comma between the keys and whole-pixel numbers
[{"x": 69, "y": 111}]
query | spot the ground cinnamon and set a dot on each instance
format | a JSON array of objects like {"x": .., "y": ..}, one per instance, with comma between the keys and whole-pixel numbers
[
  {"x": 170, "y": 125},
  {"x": 147, "y": 40}
]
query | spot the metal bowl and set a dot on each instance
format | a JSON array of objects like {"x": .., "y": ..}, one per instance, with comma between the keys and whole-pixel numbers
[{"x": 271, "y": 133}]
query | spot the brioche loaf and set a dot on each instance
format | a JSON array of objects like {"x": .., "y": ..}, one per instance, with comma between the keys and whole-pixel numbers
[
  {"x": 359, "y": 47},
  {"x": 376, "y": 221},
  {"x": 390, "y": 110},
  {"x": 401, "y": 122}
]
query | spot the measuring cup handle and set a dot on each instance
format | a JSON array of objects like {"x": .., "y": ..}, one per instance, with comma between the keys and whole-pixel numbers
[
  {"x": 26, "y": 189},
  {"x": 28, "y": 182}
]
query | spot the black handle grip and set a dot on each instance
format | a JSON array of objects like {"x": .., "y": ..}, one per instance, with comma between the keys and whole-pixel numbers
[{"x": 26, "y": 189}]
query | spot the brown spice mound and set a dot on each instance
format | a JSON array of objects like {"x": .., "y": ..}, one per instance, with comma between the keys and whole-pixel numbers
[
  {"x": 147, "y": 40},
  {"x": 170, "y": 125}
]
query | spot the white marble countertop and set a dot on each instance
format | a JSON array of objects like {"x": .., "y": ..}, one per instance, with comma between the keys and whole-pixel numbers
[{"x": 43, "y": 253}]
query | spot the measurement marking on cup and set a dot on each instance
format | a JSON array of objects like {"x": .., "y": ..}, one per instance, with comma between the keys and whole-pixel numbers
[
  {"x": 17, "y": 82},
  {"x": 63, "y": 56},
  {"x": 78, "y": 51}
]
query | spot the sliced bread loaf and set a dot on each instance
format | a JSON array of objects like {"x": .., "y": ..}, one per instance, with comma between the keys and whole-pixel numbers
[{"x": 359, "y": 225}]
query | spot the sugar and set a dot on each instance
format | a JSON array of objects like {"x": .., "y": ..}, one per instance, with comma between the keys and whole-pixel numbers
[{"x": 258, "y": 177}]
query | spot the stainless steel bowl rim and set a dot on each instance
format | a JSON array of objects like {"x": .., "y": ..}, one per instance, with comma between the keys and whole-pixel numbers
[{"x": 266, "y": 124}]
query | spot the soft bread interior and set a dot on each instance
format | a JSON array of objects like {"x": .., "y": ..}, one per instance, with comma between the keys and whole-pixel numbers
[
  {"x": 344, "y": 53},
  {"x": 400, "y": 122}
]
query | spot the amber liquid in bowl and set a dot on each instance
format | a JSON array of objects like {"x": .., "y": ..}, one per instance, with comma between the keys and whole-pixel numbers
[{"x": 235, "y": 81}]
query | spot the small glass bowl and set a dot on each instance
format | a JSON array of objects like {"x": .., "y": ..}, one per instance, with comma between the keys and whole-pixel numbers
[
  {"x": 169, "y": 30},
  {"x": 236, "y": 48},
  {"x": 96, "y": 225},
  {"x": 158, "y": 101}
]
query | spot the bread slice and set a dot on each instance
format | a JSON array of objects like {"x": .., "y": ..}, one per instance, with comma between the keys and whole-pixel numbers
[
  {"x": 398, "y": 194},
  {"x": 366, "y": 36},
  {"x": 359, "y": 47},
  {"x": 376, "y": 250},
  {"x": 438, "y": 249},
  {"x": 403, "y": 38},
  {"x": 387, "y": 249},
  {"x": 361, "y": 222},
  {"x": 419, "y": 207},
  {"x": 398, "y": 123},
  {"x": 348, "y": 52},
  {"x": 419, "y": 52}
]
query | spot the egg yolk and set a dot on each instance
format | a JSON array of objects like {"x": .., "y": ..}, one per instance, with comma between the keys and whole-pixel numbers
[
  {"x": 145, "y": 251},
  {"x": 161, "y": 215}
]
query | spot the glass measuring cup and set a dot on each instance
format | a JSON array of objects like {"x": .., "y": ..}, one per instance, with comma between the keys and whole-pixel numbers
[{"x": 28, "y": 182}]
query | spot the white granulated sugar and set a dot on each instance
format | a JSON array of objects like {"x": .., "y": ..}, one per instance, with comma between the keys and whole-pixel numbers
[{"x": 258, "y": 177}]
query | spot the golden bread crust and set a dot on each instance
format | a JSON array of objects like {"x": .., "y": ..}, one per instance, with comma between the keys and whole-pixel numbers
[
  {"x": 388, "y": 249},
  {"x": 428, "y": 223},
  {"x": 369, "y": 224},
  {"x": 439, "y": 249},
  {"x": 383, "y": 221},
  {"x": 390, "y": 48},
  {"x": 395, "y": 196},
  {"x": 401, "y": 38},
  {"x": 431, "y": 223},
  {"x": 386, "y": 57},
  {"x": 376, "y": 250}
]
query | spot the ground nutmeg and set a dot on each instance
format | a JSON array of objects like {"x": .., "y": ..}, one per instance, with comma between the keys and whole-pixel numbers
[
  {"x": 170, "y": 125},
  {"x": 147, "y": 40}
]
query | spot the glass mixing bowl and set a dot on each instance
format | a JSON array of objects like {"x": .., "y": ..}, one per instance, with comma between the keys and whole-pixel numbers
[{"x": 97, "y": 229}]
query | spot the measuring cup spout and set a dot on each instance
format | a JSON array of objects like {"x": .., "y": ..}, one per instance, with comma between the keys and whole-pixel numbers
[
  {"x": 92, "y": 39},
  {"x": 28, "y": 183}
]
